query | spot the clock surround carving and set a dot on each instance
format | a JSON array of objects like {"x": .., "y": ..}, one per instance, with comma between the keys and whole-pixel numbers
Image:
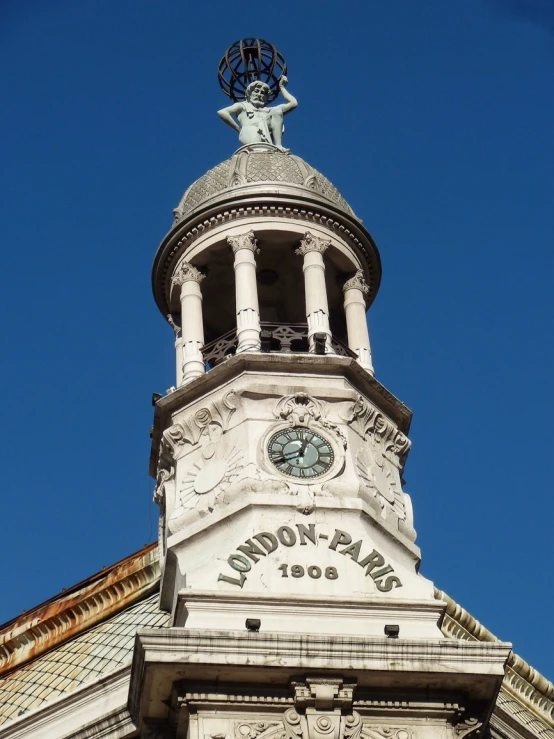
[{"x": 302, "y": 411}]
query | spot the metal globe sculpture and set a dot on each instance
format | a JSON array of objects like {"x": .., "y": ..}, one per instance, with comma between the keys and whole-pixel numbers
[{"x": 247, "y": 60}]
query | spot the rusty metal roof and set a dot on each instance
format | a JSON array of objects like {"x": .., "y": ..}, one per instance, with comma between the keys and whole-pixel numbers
[
  {"x": 106, "y": 647},
  {"x": 79, "y": 608}
]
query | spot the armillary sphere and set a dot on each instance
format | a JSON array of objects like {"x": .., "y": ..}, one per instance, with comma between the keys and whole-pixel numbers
[{"x": 247, "y": 60}]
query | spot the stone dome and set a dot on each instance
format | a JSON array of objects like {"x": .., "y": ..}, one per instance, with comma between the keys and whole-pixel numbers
[{"x": 250, "y": 167}]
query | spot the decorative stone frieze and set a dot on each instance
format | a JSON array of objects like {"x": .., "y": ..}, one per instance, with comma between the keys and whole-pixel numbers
[
  {"x": 367, "y": 421},
  {"x": 202, "y": 422}
]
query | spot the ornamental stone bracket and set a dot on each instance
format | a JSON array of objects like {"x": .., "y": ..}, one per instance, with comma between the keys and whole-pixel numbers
[
  {"x": 468, "y": 726},
  {"x": 324, "y": 694},
  {"x": 322, "y": 710}
]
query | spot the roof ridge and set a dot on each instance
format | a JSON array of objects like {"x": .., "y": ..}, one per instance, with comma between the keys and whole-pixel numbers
[{"x": 82, "y": 606}]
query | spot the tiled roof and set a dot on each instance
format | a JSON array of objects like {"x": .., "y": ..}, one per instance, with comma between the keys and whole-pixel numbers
[
  {"x": 96, "y": 652},
  {"x": 78, "y": 608}
]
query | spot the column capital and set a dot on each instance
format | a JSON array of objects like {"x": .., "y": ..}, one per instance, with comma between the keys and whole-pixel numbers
[
  {"x": 357, "y": 282},
  {"x": 247, "y": 240},
  {"x": 312, "y": 243},
  {"x": 185, "y": 272}
]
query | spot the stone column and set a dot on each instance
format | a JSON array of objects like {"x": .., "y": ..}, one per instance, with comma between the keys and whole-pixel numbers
[
  {"x": 356, "y": 325},
  {"x": 192, "y": 327},
  {"x": 178, "y": 351},
  {"x": 246, "y": 291},
  {"x": 317, "y": 309}
]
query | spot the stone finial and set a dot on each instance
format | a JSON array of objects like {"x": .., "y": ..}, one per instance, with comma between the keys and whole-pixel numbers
[
  {"x": 357, "y": 281},
  {"x": 312, "y": 243},
  {"x": 186, "y": 272},
  {"x": 243, "y": 241}
]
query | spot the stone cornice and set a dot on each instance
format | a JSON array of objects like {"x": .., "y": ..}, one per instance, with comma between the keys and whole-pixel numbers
[
  {"x": 474, "y": 668},
  {"x": 521, "y": 680},
  {"x": 63, "y": 617}
]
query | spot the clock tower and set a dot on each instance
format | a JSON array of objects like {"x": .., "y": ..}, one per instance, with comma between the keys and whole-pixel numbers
[{"x": 287, "y": 544}]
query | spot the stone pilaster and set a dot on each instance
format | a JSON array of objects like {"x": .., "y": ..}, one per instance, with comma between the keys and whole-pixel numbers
[
  {"x": 312, "y": 249},
  {"x": 244, "y": 248}
]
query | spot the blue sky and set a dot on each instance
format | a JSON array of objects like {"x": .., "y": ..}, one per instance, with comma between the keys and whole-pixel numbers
[{"x": 434, "y": 119}]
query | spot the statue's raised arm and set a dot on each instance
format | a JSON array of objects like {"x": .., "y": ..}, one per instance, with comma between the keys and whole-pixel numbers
[
  {"x": 292, "y": 102},
  {"x": 256, "y": 123}
]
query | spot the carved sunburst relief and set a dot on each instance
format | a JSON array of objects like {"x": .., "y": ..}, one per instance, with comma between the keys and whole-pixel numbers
[
  {"x": 378, "y": 474},
  {"x": 214, "y": 470}
]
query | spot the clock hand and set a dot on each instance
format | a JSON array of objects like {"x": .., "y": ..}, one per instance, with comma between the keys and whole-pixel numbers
[
  {"x": 290, "y": 455},
  {"x": 304, "y": 445}
]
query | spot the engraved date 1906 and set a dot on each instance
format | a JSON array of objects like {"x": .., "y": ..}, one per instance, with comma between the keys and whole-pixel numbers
[{"x": 313, "y": 571}]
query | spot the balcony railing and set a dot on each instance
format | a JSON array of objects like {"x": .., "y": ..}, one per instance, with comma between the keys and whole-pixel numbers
[{"x": 290, "y": 338}]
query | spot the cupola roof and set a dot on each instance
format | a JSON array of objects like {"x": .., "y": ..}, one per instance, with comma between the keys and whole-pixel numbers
[{"x": 254, "y": 168}]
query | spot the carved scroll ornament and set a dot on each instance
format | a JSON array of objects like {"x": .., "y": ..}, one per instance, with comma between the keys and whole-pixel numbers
[
  {"x": 364, "y": 418},
  {"x": 301, "y": 409},
  {"x": 202, "y": 423}
]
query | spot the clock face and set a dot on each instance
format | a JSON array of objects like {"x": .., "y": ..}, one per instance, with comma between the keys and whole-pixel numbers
[{"x": 300, "y": 453}]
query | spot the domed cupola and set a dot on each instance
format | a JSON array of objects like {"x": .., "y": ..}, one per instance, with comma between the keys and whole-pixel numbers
[
  {"x": 253, "y": 169},
  {"x": 265, "y": 255},
  {"x": 283, "y": 204}
]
